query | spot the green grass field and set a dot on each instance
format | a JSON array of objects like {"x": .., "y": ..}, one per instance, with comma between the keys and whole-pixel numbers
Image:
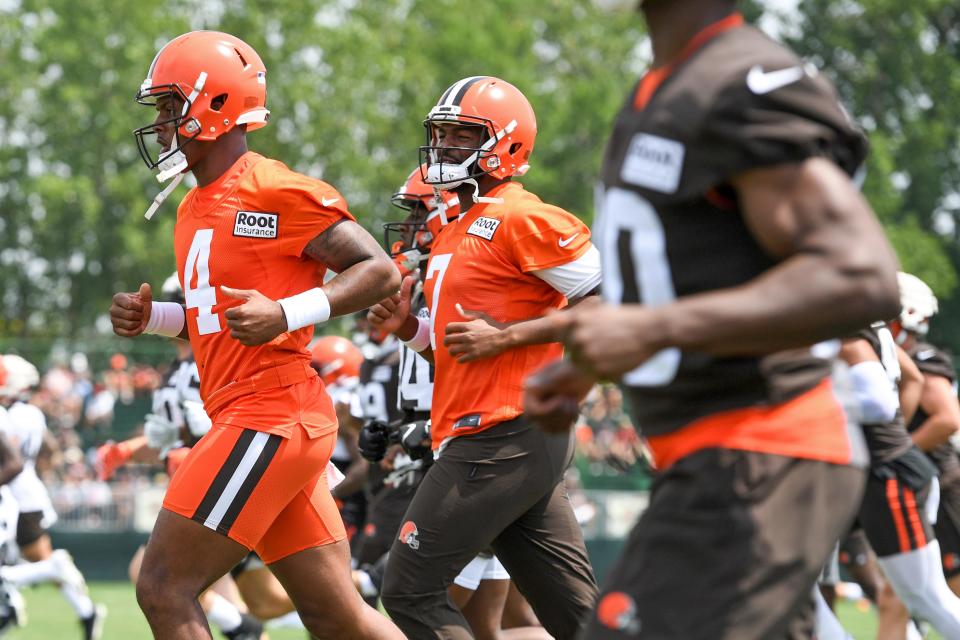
[{"x": 49, "y": 617}]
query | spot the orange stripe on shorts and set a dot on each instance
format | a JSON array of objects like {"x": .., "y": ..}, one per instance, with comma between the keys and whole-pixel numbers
[
  {"x": 893, "y": 498},
  {"x": 914, "y": 515}
]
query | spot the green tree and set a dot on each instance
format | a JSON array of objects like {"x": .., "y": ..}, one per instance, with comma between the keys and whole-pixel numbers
[
  {"x": 348, "y": 84},
  {"x": 897, "y": 67}
]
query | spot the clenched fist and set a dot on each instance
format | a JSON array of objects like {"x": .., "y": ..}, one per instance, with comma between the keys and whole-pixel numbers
[
  {"x": 257, "y": 320},
  {"x": 130, "y": 312}
]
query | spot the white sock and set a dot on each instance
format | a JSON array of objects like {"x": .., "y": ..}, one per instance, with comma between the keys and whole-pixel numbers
[
  {"x": 828, "y": 627},
  {"x": 224, "y": 613},
  {"x": 28, "y": 573},
  {"x": 79, "y": 600},
  {"x": 917, "y": 578}
]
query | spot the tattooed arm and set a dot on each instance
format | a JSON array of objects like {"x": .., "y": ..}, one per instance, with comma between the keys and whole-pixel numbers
[{"x": 365, "y": 275}]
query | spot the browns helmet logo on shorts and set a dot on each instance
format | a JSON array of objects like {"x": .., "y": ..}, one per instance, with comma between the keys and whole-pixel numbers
[
  {"x": 618, "y": 611},
  {"x": 408, "y": 535}
]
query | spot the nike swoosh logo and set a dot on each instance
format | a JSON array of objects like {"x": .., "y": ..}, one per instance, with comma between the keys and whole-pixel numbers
[
  {"x": 761, "y": 82},
  {"x": 926, "y": 354},
  {"x": 563, "y": 242},
  {"x": 325, "y": 202}
]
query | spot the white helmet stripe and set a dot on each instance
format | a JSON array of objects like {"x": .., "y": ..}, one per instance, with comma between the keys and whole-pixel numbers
[{"x": 455, "y": 93}]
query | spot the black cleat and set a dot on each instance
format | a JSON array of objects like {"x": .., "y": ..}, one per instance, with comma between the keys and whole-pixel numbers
[
  {"x": 250, "y": 629},
  {"x": 93, "y": 625}
]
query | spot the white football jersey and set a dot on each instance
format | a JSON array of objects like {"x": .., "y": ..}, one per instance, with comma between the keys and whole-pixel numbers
[{"x": 25, "y": 427}]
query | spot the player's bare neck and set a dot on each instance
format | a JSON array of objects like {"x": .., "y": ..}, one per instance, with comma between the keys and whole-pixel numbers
[
  {"x": 222, "y": 155},
  {"x": 673, "y": 24}
]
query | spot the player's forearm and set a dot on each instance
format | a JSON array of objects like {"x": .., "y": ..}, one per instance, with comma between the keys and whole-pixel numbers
[
  {"x": 910, "y": 391},
  {"x": 543, "y": 330},
  {"x": 362, "y": 285},
  {"x": 408, "y": 331},
  {"x": 353, "y": 480},
  {"x": 933, "y": 432},
  {"x": 911, "y": 385},
  {"x": 806, "y": 299},
  {"x": 12, "y": 462}
]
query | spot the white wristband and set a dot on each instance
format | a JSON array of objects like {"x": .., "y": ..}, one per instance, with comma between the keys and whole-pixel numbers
[
  {"x": 166, "y": 319},
  {"x": 306, "y": 309},
  {"x": 421, "y": 340}
]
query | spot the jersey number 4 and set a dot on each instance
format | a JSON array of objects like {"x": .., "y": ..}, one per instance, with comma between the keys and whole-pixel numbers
[
  {"x": 636, "y": 270},
  {"x": 203, "y": 297}
]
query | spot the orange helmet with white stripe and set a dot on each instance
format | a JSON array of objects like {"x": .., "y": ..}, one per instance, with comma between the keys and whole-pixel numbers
[{"x": 510, "y": 131}]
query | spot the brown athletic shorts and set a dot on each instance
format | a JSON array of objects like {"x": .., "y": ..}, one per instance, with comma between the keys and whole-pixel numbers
[{"x": 729, "y": 549}]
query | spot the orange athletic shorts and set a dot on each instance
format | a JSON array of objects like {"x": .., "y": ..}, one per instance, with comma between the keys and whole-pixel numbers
[{"x": 267, "y": 492}]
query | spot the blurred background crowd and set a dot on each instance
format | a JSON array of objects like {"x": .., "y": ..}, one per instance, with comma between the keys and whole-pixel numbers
[{"x": 86, "y": 406}]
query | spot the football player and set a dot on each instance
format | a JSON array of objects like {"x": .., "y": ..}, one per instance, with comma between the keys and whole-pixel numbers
[
  {"x": 887, "y": 387},
  {"x": 252, "y": 241},
  {"x": 494, "y": 277},
  {"x": 12, "y": 605},
  {"x": 733, "y": 238},
  {"x": 26, "y": 428},
  {"x": 938, "y": 416}
]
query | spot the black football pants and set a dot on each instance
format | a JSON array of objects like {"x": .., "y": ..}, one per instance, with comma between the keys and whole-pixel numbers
[{"x": 501, "y": 488}]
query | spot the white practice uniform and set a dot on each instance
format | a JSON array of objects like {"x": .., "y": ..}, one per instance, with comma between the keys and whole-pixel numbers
[
  {"x": 25, "y": 427},
  {"x": 9, "y": 509}
]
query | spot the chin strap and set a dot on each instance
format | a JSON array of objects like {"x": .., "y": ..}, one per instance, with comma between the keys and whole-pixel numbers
[
  {"x": 478, "y": 198},
  {"x": 163, "y": 195}
]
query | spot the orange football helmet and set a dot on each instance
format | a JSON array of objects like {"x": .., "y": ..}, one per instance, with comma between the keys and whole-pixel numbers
[
  {"x": 505, "y": 114},
  {"x": 428, "y": 210},
  {"x": 335, "y": 357},
  {"x": 222, "y": 83}
]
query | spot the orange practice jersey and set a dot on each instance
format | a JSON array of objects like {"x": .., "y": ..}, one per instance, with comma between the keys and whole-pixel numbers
[
  {"x": 483, "y": 261},
  {"x": 247, "y": 230}
]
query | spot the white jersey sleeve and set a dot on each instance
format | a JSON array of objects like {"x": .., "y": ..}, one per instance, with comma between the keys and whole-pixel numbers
[{"x": 577, "y": 278}]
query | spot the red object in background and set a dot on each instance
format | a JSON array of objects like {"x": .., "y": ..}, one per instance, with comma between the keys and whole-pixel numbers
[
  {"x": 118, "y": 361},
  {"x": 175, "y": 458}
]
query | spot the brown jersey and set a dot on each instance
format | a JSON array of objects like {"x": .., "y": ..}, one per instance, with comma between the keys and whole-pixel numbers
[{"x": 669, "y": 224}]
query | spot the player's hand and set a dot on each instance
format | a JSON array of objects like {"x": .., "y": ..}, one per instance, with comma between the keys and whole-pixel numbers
[
  {"x": 391, "y": 313},
  {"x": 553, "y": 394},
  {"x": 257, "y": 320},
  {"x": 130, "y": 312},
  {"x": 373, "y": 441},
  {"x": 175, "y": 458},
  {"x": 160, "y": 433},
  {"x": 198, "y": 422},
  {"x": 607, "y": 341},
  {"x": 479, "y": 337},
  {"x": 415, "y": 439}
]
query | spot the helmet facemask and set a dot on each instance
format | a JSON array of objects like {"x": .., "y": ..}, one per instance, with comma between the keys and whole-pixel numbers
[
  {"x": 409, "y": 241},
  {"x": 186, "y": 129},
  {"x": 480, "y": 160}
]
